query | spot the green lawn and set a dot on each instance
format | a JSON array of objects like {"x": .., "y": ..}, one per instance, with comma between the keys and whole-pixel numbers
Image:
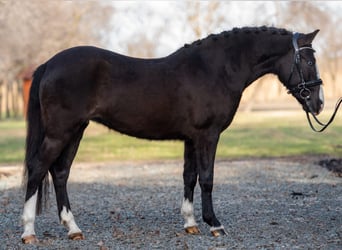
[{"x": 257, "y": 134}]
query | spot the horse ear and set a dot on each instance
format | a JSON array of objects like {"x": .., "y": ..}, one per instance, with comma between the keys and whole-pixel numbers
[{"x": 307, "y": 38}]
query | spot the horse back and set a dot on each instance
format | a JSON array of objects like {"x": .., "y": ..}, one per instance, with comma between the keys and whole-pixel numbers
[{"x": 133, "y": 96}]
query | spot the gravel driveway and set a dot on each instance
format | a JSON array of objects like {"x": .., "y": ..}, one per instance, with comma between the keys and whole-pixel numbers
[{"x": 263, "y": 203}]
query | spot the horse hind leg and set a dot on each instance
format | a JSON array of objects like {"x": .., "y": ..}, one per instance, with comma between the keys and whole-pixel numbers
[
  {"x": 60, "y": 172},
  {"x": 37, "y": 168},
  {"x": 28, "y": 217}
]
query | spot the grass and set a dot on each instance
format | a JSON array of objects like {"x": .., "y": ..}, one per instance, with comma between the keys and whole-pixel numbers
[
  {"x": 279, "y": 136},
  {"x": 258, "y": 134}
]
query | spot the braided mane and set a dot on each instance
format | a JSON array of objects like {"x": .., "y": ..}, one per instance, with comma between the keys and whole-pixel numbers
[{"x": 237, "y": 31}]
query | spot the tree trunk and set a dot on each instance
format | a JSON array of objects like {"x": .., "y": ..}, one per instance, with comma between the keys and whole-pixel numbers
[{"x": 7, "y": 90}]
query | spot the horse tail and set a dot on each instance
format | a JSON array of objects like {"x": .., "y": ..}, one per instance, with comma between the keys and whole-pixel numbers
[{"x": 35, "y": 136}]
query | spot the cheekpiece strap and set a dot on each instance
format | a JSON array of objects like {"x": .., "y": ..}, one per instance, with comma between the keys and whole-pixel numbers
[{"x": 295, "y": 41}]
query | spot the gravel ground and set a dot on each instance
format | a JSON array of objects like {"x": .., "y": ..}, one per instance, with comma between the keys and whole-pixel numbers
[{"x": 263, "y": 204}]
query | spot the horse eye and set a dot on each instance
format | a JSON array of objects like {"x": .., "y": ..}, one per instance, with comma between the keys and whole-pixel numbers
[{"x": 310, "y": 63}]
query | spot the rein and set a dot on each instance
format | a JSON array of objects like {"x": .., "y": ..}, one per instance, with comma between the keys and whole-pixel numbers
[
  {"x": 324, "y": 126},
  {"x": 303, "y": 87}
]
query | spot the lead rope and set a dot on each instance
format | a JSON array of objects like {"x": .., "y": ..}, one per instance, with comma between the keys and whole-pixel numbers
[{"x": 324, "y": 126}]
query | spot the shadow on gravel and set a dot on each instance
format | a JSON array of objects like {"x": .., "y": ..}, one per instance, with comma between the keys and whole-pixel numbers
[
  {"x": 333, "y": 165},
  {"x": 256, "y": 214}
]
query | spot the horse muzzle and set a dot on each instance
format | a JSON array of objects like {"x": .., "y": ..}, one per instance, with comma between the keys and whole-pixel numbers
[
  {"x": 314, "y": 105},
  {"x": 320, "y": 102}
]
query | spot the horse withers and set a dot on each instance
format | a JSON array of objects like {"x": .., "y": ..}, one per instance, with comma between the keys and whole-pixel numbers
[{"x": 190, "y": 95}]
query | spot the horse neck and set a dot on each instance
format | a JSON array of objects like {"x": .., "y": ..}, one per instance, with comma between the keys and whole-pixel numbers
[
  {"x": 265, "y": 54},
  {"x": 243, "y": 55}
]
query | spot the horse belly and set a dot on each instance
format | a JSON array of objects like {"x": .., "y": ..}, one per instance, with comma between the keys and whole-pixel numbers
[{"x": 143, "y": 119}]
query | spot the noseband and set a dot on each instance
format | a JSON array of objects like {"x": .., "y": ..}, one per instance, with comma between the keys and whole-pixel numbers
[{"x": 303, "y": 87}]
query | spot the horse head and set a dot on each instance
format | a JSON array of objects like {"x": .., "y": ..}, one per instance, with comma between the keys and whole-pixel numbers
[{"x": 299, "y": 73}]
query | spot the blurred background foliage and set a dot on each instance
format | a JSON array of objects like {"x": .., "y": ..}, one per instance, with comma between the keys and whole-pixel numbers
[{"x": 33, "y": 31}]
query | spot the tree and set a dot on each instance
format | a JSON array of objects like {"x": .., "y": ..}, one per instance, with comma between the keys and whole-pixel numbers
[
  {"x": 201, "y": 17},
  {"x": 33, "y": 31}
]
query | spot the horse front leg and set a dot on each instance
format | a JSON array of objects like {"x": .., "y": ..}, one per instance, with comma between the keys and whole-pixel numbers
[
  {"x": 205, "y": 157},
  {"x": 190, "y": 179}
]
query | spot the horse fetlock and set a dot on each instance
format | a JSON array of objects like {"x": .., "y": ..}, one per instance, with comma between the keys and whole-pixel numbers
[
  {"x": 187, "y": 211},
  {"x": 67, "y": 219},
  {"x": 210, "y": 219}
]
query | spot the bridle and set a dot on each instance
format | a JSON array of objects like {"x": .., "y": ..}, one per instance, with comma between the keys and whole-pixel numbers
[{"x": 303, "y": 87}]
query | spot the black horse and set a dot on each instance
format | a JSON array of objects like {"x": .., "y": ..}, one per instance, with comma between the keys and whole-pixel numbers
[{"x": 190, "y": 95}]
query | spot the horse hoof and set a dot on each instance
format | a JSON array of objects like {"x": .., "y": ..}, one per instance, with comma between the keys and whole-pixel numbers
[
  {"x": 30, "y": 239},
  {"x": 192, "y": 230},
  {"x": 218, "y": 232},
  {"x": 76, "y": 236}
]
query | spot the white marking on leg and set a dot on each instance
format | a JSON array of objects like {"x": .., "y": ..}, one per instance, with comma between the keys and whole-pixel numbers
[
  {"x": 29, "y": 214},
  {"x": 188, "y": 214},
  {"x": 67, "y": 219},
  {"x": 216, "y": 228}
]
